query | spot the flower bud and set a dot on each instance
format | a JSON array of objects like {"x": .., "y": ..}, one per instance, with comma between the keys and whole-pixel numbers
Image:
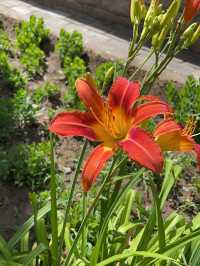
[
  {"x": 137, "y": 11},
  {"x": 171, "y": 12},
  {"x": 150, "y": 22},
  {"x": 196, "y": 35},
  {"x": 188, "y": 35},
  {"x": 109, "y": 74},
  {"x": 158, "y": 39}
]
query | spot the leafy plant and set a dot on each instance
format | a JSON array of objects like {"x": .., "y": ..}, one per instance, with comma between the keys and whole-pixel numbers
[
  {"x": 14, "y": 78},
  {"x": 5, "y": 43},
  {"x": 47, "y": 91},
  {"x": 33, "y": 60},
  {"x": 15, "y": 113},
  {"x": 185, "y": 101},
  {"x": 24, "y": 111},
  {"x": 31, "y": 32},
  {"x": 69, "y": 44},
  {"x": 73, "y": 69},
  {"x": 26, "y": 164}
]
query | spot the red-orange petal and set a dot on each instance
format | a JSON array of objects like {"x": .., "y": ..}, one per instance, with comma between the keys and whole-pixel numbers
[
  {"x": 167, "y": 126},
  {"x": 191, "y": 9},
  {"x": 123, "y": 94},
  {"x": 141, "y": 147},
  {"x": 168, "y": 135},
  {"x": 94, "y": 164},
  {"x": 89, "y": 95},
  {"x": 68, "y": 124},
  {"x": 149, "y": 110},
  {"x": 197, "y": 150}
]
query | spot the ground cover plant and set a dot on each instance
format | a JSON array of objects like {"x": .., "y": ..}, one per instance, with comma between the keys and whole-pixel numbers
[{"x": 129, "y": 168}]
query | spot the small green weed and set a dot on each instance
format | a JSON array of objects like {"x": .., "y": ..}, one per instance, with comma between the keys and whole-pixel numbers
[
  {"x": 33, "y": 60},
  {"x": 24, "y": 111},
  {"x": 47, "y": 91},
  {"x": 185, "y": 101},
  {"x": 69, "y": 44},
  {"x": 73, "y": 69},
  {"x": 26, "y": 165},
  {"x": 5, "y": 43},
  {"x": 11, "y": 75},
  {"x": 31, "y": 32}
]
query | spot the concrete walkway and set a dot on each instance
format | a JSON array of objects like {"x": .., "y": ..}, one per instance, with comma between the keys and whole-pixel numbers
[{"x": 101, "y": 42}]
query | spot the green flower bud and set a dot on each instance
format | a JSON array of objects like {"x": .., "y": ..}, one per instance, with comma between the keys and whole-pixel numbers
[
  {"x": 137, "y": 11},
  {"x": 188, "y": 34},
  {"x": 196, "y": 35},
  {"x": 171, "y": 12}
]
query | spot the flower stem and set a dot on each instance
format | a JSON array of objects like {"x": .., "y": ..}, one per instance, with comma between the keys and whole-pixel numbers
[
  {"x": 85, "y": 219},
  {"x": 70, "y": 197},
  {"x": 161, "y": 229},
  {"x": 54, "y": 224},
  {"x": 84, "y": 234}
]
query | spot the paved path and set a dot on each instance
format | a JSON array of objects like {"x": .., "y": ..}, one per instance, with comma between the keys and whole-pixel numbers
[{"x": 99, "y": 41}]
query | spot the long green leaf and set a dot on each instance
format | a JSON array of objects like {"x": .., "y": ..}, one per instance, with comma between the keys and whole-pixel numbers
[
  {"x": 114, "y": 205},
  {"x": 27, "y": 261},
  {"x": 29, "y": 224},
  {"x": 4, "y": 249},
  {"x": 126, "y": 255}
]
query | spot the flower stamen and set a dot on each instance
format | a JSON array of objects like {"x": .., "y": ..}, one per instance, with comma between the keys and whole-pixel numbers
[{"x": 190, "y": 127}]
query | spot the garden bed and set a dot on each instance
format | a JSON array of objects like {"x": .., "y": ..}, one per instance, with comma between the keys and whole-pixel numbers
[{"x": 36, "y": 107}]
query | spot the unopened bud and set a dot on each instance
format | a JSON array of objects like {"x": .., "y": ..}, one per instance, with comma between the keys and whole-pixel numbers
[
  {"x": 188, "y": 35},
  {"x": 196, "y": 35},
  {"x": 109, "y": 74},
  {"x": 108, "y": 78},
  {"x": 158, "y": 39},
  {"x": 171, "y": 12},
  {"x": 137, "y": 11}
]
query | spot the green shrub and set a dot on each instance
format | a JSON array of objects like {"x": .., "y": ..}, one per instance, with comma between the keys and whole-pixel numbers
[
  {"x": 25, "y": 164},
  {"x": 15, "y": 113},
  {"x": 47, "y": 91},
  {"x": 31, "y": 32},
  {"x": 185, "y": 101},
  {"x": 23, "y": 108},
  {"x": 69, "y": 44},
  {"x": 5, "y": 43},
  {"x": 12, "y": 75},
  {"x": 73, "y": 69},
  {"x": 103, "y": 68},
  {"x": 33, "y": 60}
]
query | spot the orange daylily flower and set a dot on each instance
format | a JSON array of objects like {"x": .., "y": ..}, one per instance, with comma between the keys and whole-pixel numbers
[
  {"x": 191, "y": 9},
  {"x": 173, "y": 137},
  {"x": 114, "y": 123}
]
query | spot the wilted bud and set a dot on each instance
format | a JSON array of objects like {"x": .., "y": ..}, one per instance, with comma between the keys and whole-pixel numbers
[
  {"x": 196, "y": 35},
  {"x": 188, "y": 35},
  {"x": 137, "y": 11}
]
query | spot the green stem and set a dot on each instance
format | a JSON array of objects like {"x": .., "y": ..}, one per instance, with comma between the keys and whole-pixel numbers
[
  {"x": 93, "y": 205},
  {"x": 54, "y": 224},
  {"x": 141, "y": 66},
  {"x": 84, "y": 234},
  {"x": 69, "y": 203},
  {"x": 161, "y": 228}
]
